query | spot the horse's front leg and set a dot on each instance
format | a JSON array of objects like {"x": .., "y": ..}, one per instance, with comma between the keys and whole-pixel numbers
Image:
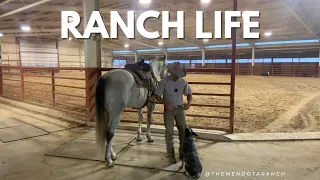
[
  {"x": 140, "y": 114},
  {"x": 151, "y": 107}
]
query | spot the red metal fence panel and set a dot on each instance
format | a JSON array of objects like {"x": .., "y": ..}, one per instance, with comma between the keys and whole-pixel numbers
[{"x": 59, "y": 90}]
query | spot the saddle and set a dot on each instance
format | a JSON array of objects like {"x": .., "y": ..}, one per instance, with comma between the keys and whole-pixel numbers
[
  {"x": 139, "y": 66},
  {"x": 143, "y": 76}
]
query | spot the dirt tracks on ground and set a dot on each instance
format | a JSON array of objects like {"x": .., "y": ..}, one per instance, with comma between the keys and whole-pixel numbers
[{"x": 303, "y": 117}]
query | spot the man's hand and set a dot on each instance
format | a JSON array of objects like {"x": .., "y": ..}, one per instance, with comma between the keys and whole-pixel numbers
[
  {"x": 168, "y": 107},
  {"x": 186, "y": 106}
]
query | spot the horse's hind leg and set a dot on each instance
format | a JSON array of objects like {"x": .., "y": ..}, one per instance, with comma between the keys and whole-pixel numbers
[
  {"x": 110, "y": 155},
  {"x": 140, "y": 114},
  {"x": 151, "y": 107}
]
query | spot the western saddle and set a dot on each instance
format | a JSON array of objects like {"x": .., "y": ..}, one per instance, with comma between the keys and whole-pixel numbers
[{"x": 144, "y": 77}]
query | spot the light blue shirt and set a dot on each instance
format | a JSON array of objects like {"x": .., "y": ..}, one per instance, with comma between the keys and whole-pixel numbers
[{"x": 173, "y": 91}]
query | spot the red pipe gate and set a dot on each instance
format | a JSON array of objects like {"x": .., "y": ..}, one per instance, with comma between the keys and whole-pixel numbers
[{"x": 14, "y": 83}]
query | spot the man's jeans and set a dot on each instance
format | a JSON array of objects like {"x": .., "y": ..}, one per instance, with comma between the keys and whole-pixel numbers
[{"x": 178, "y": 115}]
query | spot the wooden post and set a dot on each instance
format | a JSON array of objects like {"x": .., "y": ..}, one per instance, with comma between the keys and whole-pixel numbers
[
  {"x": 92, "y": 52},
  {"x": 319, "y": 65},
  {"x": 58, "y": 55},
  {"x": 203, "y": 55},
  {"x": 18, "y": 43},
  {"x": 22, "y": 82},
  {"x": 53, "y": 88},
  {"x": 271, "y": 66},
  {"x": 253, "y": 58},
  {"x": 80, "y": 55},
  {"x": 136, "y": 57},
  {"x": 1, "y": 81},
  {"x": 92, "y": 75},
  {"x": 294, "y": 68}
]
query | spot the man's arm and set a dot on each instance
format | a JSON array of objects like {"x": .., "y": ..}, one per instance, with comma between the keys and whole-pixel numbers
[
  {"x": 188, "y": 93},
  {"x": 166, "y": 105},
  {"x": 159, "y": 92},
  {"x": 189, "y": 98}
]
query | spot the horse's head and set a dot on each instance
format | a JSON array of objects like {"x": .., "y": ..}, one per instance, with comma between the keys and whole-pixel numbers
[{"x": 159, "y": 66}]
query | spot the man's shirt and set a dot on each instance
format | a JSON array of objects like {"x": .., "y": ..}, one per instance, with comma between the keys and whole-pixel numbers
[{"x": 173, "y": 91}]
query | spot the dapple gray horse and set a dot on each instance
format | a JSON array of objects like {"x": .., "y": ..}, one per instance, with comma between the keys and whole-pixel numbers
[{"x": 115, "y": 91}]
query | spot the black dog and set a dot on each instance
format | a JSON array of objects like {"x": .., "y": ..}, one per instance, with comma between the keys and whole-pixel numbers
[{"x": 190, "y": 159}]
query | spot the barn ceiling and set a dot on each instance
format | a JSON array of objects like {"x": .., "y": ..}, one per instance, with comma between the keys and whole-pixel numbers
[{"x": 286, "y": 19}]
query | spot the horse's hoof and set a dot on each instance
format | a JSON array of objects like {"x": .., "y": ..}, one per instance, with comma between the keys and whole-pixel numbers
[
  {"x": 150, "y": 139},
  {"x": 139, "y": 139},
  {"x": 114, "y": 157},
  {"x": 110, "y": 163}
]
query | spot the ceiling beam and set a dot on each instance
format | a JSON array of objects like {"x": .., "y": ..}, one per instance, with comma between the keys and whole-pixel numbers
[
  {"x": 58, "y": 8},
  {"x": 24, "y": 8},
  {"x": 30, "y": 34},
  {"x": 5, "y": 2},
  {"x": 143, "y": 44},
  {"x": 189, "y": 42},
  {"x": 43, "y": 8},
  {"x": 294, "y": 10},
  {"x": 30, "y": 23},
  {"x": 109, "y": 45},
  {"x": 31, "y": 31},
  {"x": 35, "y": 23}
]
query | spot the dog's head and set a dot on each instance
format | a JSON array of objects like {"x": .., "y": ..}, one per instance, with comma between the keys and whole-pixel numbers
[{"x": 189, "y": 132}]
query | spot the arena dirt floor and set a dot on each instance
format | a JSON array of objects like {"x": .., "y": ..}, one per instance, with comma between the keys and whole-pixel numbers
[
  {"x": 26, "y": 138},
  {"x": 262, "y": 104}
]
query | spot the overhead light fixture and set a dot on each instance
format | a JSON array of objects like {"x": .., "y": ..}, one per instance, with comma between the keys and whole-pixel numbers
[
  {"x": 268, "y": 33},
  {"x": 70, "y": 38},
  {"x": 160, "y": 43},
  {"x": 205, "y": 40},
  {"x": 25, "y": 28},
  {"x": 205, "y": 1},
  {"x": 1, "y": 34},
  {"x": 145, "y": 1},
  {"x": 126, "y": 45}
]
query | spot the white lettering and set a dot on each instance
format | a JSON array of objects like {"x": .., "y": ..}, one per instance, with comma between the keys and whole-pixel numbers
[
  {"x": 96, "y": 25},
  {"x": 247, "y": 24},
  {"x": 140, "y": 24},
  {"x": 115, "y": 20},
  {"x": 217, "y": 23},
  {"x": 95, "y": 17},
  {"x": 228, "y": 22},
  {"x": 179, "y": 24},
  {"x": 199, "y": 27},
  {"x": 66, "y": 25}
]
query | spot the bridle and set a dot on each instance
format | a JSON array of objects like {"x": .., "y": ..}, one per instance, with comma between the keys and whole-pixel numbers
[{"x": 163, "y": 67}]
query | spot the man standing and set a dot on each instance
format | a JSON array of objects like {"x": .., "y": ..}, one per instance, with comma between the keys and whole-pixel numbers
[{"x": 172, "y": 88}]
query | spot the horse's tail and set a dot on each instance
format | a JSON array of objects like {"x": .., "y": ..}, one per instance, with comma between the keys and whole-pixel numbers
[{"x": 102, "y": 113}]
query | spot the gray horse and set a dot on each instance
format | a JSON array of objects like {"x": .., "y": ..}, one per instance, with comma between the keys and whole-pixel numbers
[{"x": 115, "y": 91}]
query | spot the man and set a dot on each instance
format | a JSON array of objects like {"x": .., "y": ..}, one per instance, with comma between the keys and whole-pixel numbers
[{"x": 173, "y": 87}]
